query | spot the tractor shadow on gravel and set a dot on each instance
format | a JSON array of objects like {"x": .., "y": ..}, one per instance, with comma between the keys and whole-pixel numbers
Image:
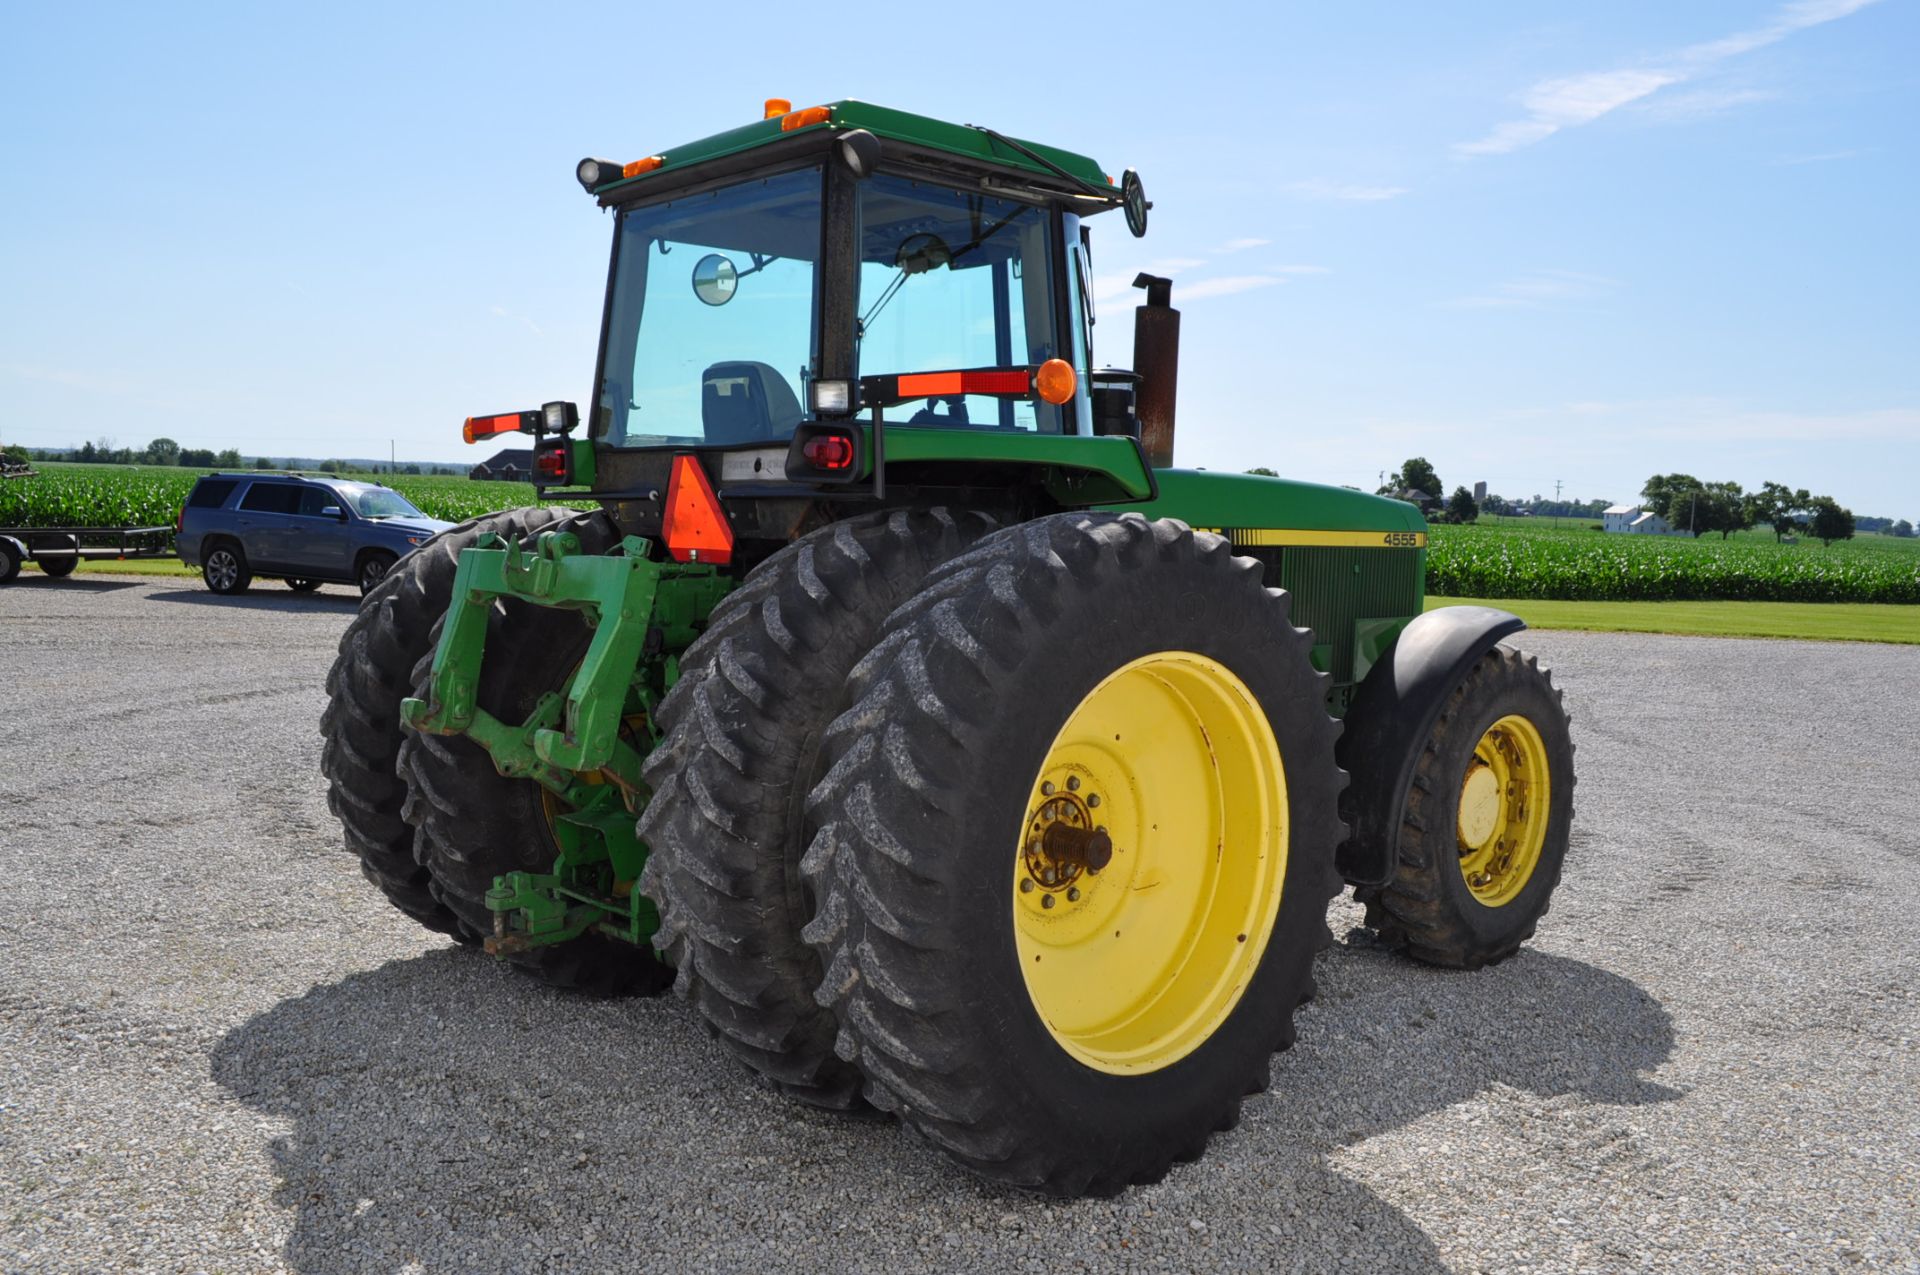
[{"x": 447, "y": 1114}]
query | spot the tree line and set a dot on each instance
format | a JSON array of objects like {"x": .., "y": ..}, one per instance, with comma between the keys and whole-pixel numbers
[
  {"x": 165, "y": 451},
  {"x": 1686, "y": 503},
  {"x": 1695, "y": 507}
]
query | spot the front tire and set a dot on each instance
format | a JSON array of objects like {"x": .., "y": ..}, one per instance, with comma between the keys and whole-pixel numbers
[
  {"x": 372, "y": 674},
  {"x": 726, "y": 826},
  {"x": 973, "y": 791},
  {"x": 473, "y": 824},
  {"x": 1484, "y": 832}
]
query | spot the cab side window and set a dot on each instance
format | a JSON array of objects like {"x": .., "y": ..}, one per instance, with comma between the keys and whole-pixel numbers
[
  {"x": 271, "y": 498},
  {"x": 315, "y": 499}
]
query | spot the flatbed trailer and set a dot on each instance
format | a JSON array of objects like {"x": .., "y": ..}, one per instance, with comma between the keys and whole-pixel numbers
[{"x": 58, "y": 550}]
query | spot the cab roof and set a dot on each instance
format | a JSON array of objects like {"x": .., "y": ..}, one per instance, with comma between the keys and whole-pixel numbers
[{"x": 917, "y": 133}]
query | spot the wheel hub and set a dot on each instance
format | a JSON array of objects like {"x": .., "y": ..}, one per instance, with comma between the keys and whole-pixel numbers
[
  {"x": 1150, "y": 864},
  {"x": 1502, "y": 823}
]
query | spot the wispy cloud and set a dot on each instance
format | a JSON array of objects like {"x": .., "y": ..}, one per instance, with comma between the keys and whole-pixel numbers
[
  {"x": 1227, "y": 285},
  {"x": 1823, "y": 157},
  {"x": 1681, "y": 108},
  {"x": 1536, "y": 290},
  {"x": 1114, "y": 293},
  {"x": 501, "y": 312},
  {"x": 1718, "y": 420},
  {"x": 1573, "y": 100},
  {"x": 1322, "y": 188}
]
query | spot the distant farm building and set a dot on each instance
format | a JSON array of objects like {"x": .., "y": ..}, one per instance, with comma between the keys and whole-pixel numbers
[
  {"x": 1632, "y": 520},
  {"x": 514, "y": 465}
]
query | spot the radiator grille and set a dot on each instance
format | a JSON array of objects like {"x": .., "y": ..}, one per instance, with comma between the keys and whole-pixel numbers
[{"x": 1333, "y": 587}]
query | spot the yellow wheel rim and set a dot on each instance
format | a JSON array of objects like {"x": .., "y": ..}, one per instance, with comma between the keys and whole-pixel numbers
[
  {"x": 1504, "y": 798},
  {"x": 1169, "y": 772}
]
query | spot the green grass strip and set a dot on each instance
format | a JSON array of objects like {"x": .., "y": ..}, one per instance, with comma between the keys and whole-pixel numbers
[{"x": 1820, "y": 621}]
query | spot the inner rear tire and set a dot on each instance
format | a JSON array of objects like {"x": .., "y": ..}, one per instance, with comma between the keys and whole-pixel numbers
[
  {"x": 924, "y": 816},
  {"x": 473, "y": 824},
  {"x": 369, "y": 678},
  {"x": 727, "y": 824},
  {"x": 303, "y": 586}
]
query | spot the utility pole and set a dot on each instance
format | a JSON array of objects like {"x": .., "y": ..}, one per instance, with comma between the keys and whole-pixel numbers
[
  {"x": 392, "y": 465},
  {"x": 1556, "y": 502}
]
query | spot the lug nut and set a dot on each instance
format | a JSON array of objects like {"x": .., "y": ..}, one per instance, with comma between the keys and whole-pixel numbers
[
  {"x": 1046, "y": 789},
  {"x": 1026, "y": 885},
  {"x": 1073, "y": 895},
  {"x": 1093, "y": 800},
  {"x": 1073, "y": 783},
  {"x": 1046, "y": 900}
]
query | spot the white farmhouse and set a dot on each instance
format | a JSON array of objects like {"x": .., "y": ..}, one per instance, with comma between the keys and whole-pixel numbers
[{"x": 1632, "y": 520}]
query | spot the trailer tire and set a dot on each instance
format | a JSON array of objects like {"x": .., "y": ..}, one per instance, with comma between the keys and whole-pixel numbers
[
  {"x": 1446, "y": 904},
  {"x": 980, "y": 722},
  {"x": 9, "y": 560},
  {"x": 472, "y": 824},
  {"x": 361, "y": 724},
  {"x": 58, "y": 567},
  {"x": 727, "y": 822}
]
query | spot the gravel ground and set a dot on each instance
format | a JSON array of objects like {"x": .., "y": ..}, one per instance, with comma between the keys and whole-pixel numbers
[{"x": 219, "y": 1050}]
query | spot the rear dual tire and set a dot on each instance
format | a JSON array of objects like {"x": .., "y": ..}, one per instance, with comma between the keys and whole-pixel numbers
[{"x": 959, "y": 713}]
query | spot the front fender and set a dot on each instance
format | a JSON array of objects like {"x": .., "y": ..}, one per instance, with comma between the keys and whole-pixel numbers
[{"x": 1392, "y": 714}]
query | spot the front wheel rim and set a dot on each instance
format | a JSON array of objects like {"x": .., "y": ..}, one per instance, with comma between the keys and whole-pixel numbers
[
  {"x": 372, "y": 574},
  {"x": 1501, "y": 824},
  {"x": 222, "y": 570},
  {"x": 1139, "y": 924}
]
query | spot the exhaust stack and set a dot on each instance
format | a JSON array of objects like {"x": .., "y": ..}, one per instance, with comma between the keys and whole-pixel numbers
[{"x": 1156, "y": 358}]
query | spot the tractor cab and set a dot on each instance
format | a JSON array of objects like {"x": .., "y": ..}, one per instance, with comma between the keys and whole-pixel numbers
[{"x": 789, "y": 299}]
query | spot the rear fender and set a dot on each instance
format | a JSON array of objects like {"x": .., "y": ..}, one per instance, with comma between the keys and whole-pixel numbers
[{"x": 1392, "y": 713}]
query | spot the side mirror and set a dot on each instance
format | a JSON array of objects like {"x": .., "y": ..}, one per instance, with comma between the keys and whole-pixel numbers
[
  {"x": 714, "y": 279},
  {"x": 335, "y": 512}
]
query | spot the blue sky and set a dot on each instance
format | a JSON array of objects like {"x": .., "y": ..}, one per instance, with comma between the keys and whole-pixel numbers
[{"x": 1575, "y": 242}]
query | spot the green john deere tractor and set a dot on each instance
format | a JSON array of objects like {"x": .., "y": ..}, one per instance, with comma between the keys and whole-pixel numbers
[{"x": 955, "y": 753}]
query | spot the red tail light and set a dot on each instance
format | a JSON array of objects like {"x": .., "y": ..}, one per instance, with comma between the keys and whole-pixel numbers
[
  {"x": 180, "y": 520},
  {"x": 831, "y": 452},
  {"x": 550, "y": 464}
]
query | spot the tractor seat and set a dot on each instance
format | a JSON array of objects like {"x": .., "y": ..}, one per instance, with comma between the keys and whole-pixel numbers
[{"x": 746, "y": 403}]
